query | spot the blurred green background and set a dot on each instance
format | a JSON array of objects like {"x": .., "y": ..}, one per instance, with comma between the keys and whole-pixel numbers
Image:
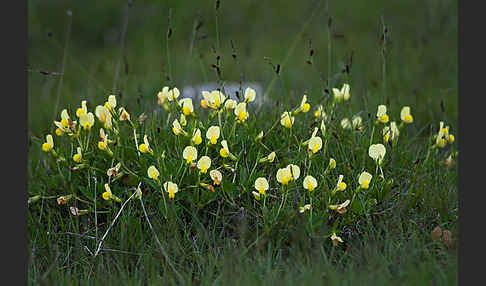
[{"x": 421, "y": 60}]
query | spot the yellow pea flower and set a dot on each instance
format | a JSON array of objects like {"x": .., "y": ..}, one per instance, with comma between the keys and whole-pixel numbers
[
  {"x": 261, "y": 185},
  {"x": 59, "y": 132},
  {"x": 332, "y": 163},
  {"x": 216, "y": 176},
  {"x": 173, "y": 94},
  {"x": 287, "y": 120},
  {"x": 153, "y": 173},
  {"x": 196, "y": 137},
  {"x": 315, "y": 144},
  {"x": 340, "y": 186},
  {"x": 357, "y": 122},
  {"x": 189, "y": 154},
  {"x": 187, "y": 107},
  {"x": 230, "y": 104},
  {"x": 177, "y": 128},
  {"x": 304, "y": 106},
  {"x": 310, "y": 183},
  {"x": 240, "y": 112},
  {"x": 215, "y": 99},
  {"x": 318, "y": 111},
  {"x": 213, "y": 134},
  {"x": 82, "y": 110},
  {"x": 405, "y": 115},
  {"x": 284, "y": 176},
  {"x": 86, "y": 120},
  {"x": 346, "y": 123},
  {"x": 66, "y": 124},
  {"x": 341, "y": 208},
  {"x": 108, "y": 195},
  {"x": 113, "y": 171},
  {"x": 203, "y": 164},
  {"x": 294, "y": 171},
  {"x": 104, "y": 116},
  {"x": 225, "y": 152},
  {"x": 256, "y": 195},
  {"x": 259, "y": 137},
  {"x": 182, "y": 119},
  {"x": 390, "y": 133},
  {"x": 377, "y": 152},
  {"x": 124, "y": 115},
  {"x": 381, "y": 114},
  {"x": 250, "y": 94},
  {"x": 335, "y": 239},
  {"x": 269, "y": 158},
  {"x": 78, "y": 156},
  {"x": 304, "y": 208},
  {"x": 342, "y": 94},
  {"x": 145, "y": 146},
  {"x": 364, "y": 180},
  {"x": 171, "y": 188},
  {"x": 111, "y": 103},
  {"x": 49, "y": 144},
  {"x": 162, "y": 97}
]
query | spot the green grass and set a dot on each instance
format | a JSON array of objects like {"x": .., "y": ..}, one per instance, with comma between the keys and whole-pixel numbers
[{"x": 222, "y": 242}]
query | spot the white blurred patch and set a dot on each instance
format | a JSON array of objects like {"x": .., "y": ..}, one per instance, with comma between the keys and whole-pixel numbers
[{"x": 229, "y": 89}]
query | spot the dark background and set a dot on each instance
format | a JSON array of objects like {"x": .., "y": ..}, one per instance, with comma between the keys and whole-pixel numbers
[{"x": 421, "y": 58}]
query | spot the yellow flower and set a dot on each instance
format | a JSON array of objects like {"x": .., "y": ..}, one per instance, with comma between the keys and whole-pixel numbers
[
  {"x": 240, "y": 112},
  {"x": 196, "y": 137},
  {"x": 256, "y": 195},
  {"x": 390, "y": 133},
  {"x": 318, "y": 111},
  {"x": 213, "y": 134},
  {"x": 377, "y": 152},
  {"x": 59, "y": 132},
  {"x": 183, "y": 120},
  {"x": 104, "y": 116},
  {"x": 82, "y": 110},
  {"x": 304, "y": 106},
  {"x": 162, "y": 97},
  {"x": 315, "y": 144},
  {"x": 108, "y": 195},
  {"x": 271, "y": 157},
  {"x": 216, "y": 176},
  {"x": 113, "y": 171},
  {"x": 173, "y": 94},
  {"x": 215, "y": 99},
  {"x": 203, "y": 164},
  {"x": 335, "y": 239},
  {"x": 187, "y": 107},
  {"x": 287, "y": 120},
  {"x": 177, "y": 128},
  {"x": 259, "y": 137},
  {"x": 189, "y": 154},
  {"x": 66, "y": 123},
  {"x": 261, "y": 185},
  {"x": 340, "y": 186},
  {"x": 284, "y": 176},
  {"x": 111, "y": 103},
  {"x": 294, "y": 171},
  {"x": 357, "y": 122},
  {"x": 450, "y": 138},
  {"x": 124, "y": 115},
  {"x": 405, "y": 115},
  {"x": 78, "y": 156},
  {"x": 332, "y": 163},
  {"x": 49, "y": 144},
  {"x": 304, "y": 208},
  {"x": 381, "y": 114},
  {"x": 342, "y": 207},
  {"x": 364, "y": 180},
  {"x": 250, "y": 94},
  {"x": 310, "y": 183},
  {"x": 342, "y": 94},
  {"x": 86, "y": 120},
  {"x": 346, "y": 123},
  {"x": 153, "y": 173},
  {"x": 230, "y": 104},
  {"x": 138, "y": 194},
  {"x": 224, "y": 151},
  {"x": 145, "y": 146},
  {"x": 171, "y": 188}
]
